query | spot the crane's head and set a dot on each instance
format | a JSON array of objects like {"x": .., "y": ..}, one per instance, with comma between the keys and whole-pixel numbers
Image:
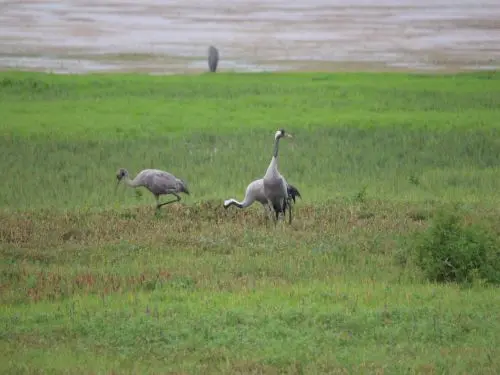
[
  {"x": 121, "y": 173},
  {"x": 281, "y": 133},
  {"x": 182, "y": 186}
]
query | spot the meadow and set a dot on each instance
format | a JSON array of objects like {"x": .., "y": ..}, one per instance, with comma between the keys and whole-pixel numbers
[{"x": 94, "y": 282}]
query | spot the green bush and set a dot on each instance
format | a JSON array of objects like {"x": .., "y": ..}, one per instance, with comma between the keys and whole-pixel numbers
[{"x": 450, "y": 251}]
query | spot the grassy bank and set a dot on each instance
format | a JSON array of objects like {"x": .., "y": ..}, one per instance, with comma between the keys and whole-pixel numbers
[
  {"x": 94, "y": 282},
  {"x": 379, "y": 131}
]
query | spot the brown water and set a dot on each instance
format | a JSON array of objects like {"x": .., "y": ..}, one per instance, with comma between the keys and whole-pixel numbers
[{"x": 161, "y": 36}]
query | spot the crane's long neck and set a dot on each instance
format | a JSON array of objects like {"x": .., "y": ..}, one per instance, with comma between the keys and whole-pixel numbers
[
  {"x": 247, "y": 201},
  {"x": 276, "y": 147},
  {"x": 273, "y": 165},
  {"x": 232, "y": 201},
  {"x": 132, "y": 183}
]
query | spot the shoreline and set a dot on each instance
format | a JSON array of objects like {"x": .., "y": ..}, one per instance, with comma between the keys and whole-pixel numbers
[{"x": 252, "y": 36}]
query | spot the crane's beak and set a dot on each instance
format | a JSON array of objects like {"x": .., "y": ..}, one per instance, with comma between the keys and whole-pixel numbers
[
  {"x": 117, "y": 183},
  {"x": 288, "y": 135}
]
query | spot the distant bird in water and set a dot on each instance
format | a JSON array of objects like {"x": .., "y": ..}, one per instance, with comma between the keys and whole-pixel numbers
[
  {"x": 275, "y": 185},
  {"x": 157, "y": 182},
  {"x": 255, "y": 192},
  {"x": 213, "y": 58}
]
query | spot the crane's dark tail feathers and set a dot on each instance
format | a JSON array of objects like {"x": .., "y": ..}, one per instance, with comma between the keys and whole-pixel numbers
[{"x": 293, "y": 192}]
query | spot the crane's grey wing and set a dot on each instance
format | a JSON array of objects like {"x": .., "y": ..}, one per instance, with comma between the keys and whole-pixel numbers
[
  {"x": 284, "y": 186},
  {"x": 163, "y": 183},
  {"x": 145, "y": 177}
]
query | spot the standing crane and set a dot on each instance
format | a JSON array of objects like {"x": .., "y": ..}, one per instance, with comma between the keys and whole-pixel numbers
[
  {"x": 157, "y": 182},
  {"x": 275, "y": 185}
]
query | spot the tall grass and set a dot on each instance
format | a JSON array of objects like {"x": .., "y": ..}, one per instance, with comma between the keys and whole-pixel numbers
[
  {"x": 93, "y": 282},
  {"x": 403, "y": 137}
]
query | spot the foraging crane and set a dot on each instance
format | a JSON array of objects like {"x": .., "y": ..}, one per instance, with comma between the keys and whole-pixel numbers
[
  {"x": 275, "y": 185},
  {"x": 255, "y": 192},
  {"x": 157, "y": 182}
]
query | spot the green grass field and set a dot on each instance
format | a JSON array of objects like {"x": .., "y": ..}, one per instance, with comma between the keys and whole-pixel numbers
[{"x": 93, "y": 282}]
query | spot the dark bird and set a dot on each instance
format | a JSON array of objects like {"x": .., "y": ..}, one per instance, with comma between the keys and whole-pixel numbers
[{"x": 213, "y": 58}]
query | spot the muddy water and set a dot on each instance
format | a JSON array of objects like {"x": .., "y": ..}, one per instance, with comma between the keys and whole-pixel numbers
[{"x": 172, "y": 36}]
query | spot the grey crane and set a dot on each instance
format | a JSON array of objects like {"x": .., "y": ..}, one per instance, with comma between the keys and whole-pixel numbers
[
  {"x": 255, "y": 192},
  {"x": 275, "y": 185},
  {"x": 213, "y": 58},
  {"x": 157, "y": 182}
]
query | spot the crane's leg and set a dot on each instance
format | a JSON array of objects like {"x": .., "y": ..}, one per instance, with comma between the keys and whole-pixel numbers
[
  {"x": 289, "y": 205},
  {"x": 157, "y": 197},
  {"x": 178, "y": 198},
  {"x": 284, "y": 206},
  {"x": 271, "y": 209}
]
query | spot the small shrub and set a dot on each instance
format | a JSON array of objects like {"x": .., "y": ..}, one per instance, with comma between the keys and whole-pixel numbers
[
  {"x": 414, "y": 180},
  {"x": 450, "y": 251},
  {"x": 360, "y": 196}
]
